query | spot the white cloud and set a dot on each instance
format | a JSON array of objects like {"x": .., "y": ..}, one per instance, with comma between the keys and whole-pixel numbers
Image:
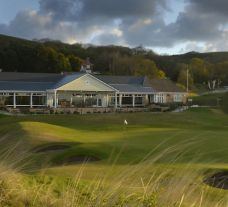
[{"x": 198, "y": 25}]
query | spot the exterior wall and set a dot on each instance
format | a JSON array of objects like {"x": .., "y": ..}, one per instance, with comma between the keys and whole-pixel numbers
[
  {"x": 83, "y": 110},
  {"x": 170, "y": 98},
  {"x": 86, "y": 83},
  {"x": 147, "y": 100}
]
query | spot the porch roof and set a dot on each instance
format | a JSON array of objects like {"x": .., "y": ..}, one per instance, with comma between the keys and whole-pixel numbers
[{"x": 24, "y": 86}]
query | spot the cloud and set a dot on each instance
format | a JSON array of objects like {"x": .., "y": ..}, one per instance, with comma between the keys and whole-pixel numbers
[
  {"x": 201, "y": 25},
  {"x": 197, "y": 24}
]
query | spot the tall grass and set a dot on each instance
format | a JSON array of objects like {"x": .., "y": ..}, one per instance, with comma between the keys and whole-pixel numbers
[{"x": 146, "y": 184}]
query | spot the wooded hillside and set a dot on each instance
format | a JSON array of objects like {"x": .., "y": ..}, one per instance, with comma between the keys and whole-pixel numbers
[{"x": 210, "y": 69}]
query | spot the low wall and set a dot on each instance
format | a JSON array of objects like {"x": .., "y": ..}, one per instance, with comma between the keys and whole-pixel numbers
[
  {"x": 82, "y": 110},
  {"x": 77, "y": 110}
]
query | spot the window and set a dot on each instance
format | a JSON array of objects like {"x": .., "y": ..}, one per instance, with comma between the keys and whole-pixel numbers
[
  {"x": 127, "y": 100},
  {"x": 177, "y": 98},
  {"x": 160, "y": 98},
  {"x": 23, "y": 100},
  {"x": 99, "y": 102},
  {"x": 112, "y": 101},
  {"x": 139, "y": 100}
]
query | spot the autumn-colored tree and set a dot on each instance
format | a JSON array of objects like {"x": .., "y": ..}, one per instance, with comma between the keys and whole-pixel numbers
[
  {"x": 146, "y": 67},
  {"x": 182, "y": 78},
  {"x": 75, "y": 62},
  {"x": 200, "y": 70},
  {"x": 221, "y": 72}
]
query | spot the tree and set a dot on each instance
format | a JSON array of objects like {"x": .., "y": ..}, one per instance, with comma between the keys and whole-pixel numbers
[
  {"x": 146, "y": 67},
  {"x": 221, "y": 72},
  {"x": 75, "y": 62},
  {"x": 182, "y": 79},
  {"x": 63, "y": 63},
  {"x": 200, "y": 70}
]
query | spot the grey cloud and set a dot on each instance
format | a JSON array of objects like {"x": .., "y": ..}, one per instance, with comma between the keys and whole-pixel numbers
[
  {"x": 129, "y": 22},
  {"x": 87, "y": 9},
  {"x": 211, "y": 6},
  {"x": 107, "y": 39},
  {"x": 201, "y": 21}
]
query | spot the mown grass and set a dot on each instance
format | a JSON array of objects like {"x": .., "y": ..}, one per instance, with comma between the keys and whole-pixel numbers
[{"x": 171, "y": 152}]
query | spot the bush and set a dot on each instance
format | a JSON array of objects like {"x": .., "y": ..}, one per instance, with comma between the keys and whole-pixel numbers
[
  {"x": 207, "y": 100},
  {"x": 224, "y": 103}
]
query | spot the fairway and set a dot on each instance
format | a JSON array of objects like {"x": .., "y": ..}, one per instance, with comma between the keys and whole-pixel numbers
[{"x": 57, "y": 144}]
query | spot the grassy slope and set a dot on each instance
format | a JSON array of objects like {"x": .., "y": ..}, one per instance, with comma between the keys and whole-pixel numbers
[
  {"x": 202, "y": 132},
  {"x": 197, "y": 137}
]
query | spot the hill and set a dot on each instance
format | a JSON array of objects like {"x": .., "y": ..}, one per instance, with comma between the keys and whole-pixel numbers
[{"x": 54, "y": 56}]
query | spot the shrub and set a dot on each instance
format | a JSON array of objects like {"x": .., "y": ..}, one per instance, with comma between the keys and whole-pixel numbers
[
  {"x": 224, "y": 103},
  {"x": 207, "y": 100}
]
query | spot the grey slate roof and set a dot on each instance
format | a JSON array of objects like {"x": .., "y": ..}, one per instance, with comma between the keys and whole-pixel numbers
[
  {"x": 25, "y": 86},
  {"x": 132, "y": 88},
  {"x": 30, "y": 77},
  {"x": 126, "y": 84},
  {"x": 13, "y": 81},
  {"x": 163, "y": 85},
  {"x": 121, "y": 79}
]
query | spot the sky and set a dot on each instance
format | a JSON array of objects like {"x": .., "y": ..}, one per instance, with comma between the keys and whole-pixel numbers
[{"x": 165, "y": 26}]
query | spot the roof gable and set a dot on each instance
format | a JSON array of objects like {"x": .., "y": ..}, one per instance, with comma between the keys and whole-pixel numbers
[{"x": 82, "y": 82}]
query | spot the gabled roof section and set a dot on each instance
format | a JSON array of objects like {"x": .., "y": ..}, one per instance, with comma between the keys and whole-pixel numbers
[
  {"x": 82, "y": 82},
  {"x": 162, "y": 85},
  {"x": 67, "y": 79}
]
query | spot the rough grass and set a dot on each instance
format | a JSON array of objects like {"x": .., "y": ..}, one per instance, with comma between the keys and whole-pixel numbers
[{"x": 157, "y": 160}]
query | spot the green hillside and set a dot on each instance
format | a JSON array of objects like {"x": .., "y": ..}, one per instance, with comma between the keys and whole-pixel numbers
[{"x": 54, "y": 56}]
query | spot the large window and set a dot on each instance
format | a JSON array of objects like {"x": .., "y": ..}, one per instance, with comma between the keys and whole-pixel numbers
[
  {"x": 127, "y": 101},
  {"x": 160, "y": 98},
  {"x": 23, "y": 100},
  {"x": 178, "y": 98},
  {"x": 38, "y": 100},
  {"x": 138, "y": 100}
]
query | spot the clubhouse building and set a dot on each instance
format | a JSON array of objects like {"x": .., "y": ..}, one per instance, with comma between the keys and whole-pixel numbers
[{"x": 85, "y": 92}]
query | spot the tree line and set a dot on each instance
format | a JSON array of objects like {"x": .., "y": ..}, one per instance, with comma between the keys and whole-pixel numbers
[{"x": 207, "y": 69}]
